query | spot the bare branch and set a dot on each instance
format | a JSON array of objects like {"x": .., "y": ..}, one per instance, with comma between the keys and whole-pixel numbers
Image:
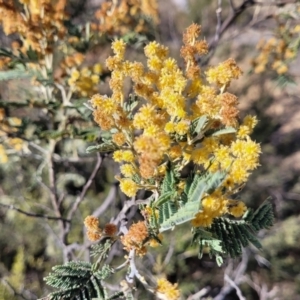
[
  {"x": 236, "y": 12},
  {"x": 170, "y": 253},
  {"x": 234, "y": 285},
  {"x": 199, "y": 294},
  {"x": 135, "y": 273},
  {"x": 51, "y": 176},
  {"x": 29, "y": 214},
  {"x": 229, "y": 21},
  {"x": 235, "y": 275},
  {"x": 219, "y": 20},
  {"x": 128, "y": 204},
  {"x": 276, "y": 3},
  {"x": 80, "y": 198},
  {"x": 232, "y": 5},
  {"x": 106, "y": 203}
]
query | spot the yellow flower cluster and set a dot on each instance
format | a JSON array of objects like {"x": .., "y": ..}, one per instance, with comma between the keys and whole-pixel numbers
[
  {"x": 121, "y": 17},
  {"x": 278, "y": 51},
  {"x": 8, "y": 126},
  {"x": 160, "y": 130},
  {"x": 213, "y": 206},
  {"x": 216, "y": 205},
  {"x": 166, "y": 290},
  {"x": 154, "y": 242},
  {"x": 236, "y": 208},
  {"x": 94, "y": 232},
  {"x": 223, "y": 73},
  {"x": 85, "y": 81},
  {"x": 38, "y": 27}
]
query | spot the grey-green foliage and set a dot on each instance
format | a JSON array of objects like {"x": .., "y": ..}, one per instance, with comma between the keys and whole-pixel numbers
[
  {"x": 13, "y": 74},
  {"x": 105, "y": 147},
  {"x": 178, "y": 209},
  {"x": 198, "y": 125},
  {"x": 78, "y": 280},
  {"x": 233, "y": 235}
]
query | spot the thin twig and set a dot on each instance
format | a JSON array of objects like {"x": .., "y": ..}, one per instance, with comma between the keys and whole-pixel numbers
[
  {"x": 51, "y": 176},
  {"x": 233, "y": 284},
  {"x": 135, "y": 273},
  {"x": 235, "y": 13},
  {"x": 170, "y": 253},
  {"x": 229, "y": 21},
  {"x": 235, "y": 273},
  {"x": 281, "y": 3},
  {"x": 232, "y": 5},
  {"x": 106, "y": 203},
  {"x": 80, "y": 198},
  {"x": 219, "y": 20},
  {"x": 29, "y": 214},
  {"x": 65, "y": 97},
  {"x": 199, "y": 294},
  {"x": 128, "y": 204}
]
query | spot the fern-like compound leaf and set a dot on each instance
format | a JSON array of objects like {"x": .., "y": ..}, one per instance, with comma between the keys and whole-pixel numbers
[
  {"x": 77, "y": 280},
  {"x": 168, "y": 182},
  {"x": 233, "y": 235}
]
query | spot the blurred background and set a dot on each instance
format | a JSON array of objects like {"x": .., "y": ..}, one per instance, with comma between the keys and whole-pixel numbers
[{"x": 264, "y": 38}]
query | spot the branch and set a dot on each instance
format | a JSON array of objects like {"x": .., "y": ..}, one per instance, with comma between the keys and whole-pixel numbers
[
  {"x": 106, "y": 203},
  {"x": 219, "y": 20},
  {"x": 236, "y": 12},
  {"x": 135, "y": 273},
  {"x": 237, "y": 277},
  {"x": 234, "y": 285},
  {"x": 199, "y": 294},
  {"x": 80, "y": 198},
  {"x": 51, "y": 175},
  {"x": 278, "y": 3},
  {"x": 128, "y": 204},
  {"x": 29, "y": 214},
  {"x": 231, "y": 5}
]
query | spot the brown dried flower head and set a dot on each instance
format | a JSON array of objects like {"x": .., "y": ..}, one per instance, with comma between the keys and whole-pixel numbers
[
  {"x": 110, "y": 229},
  {"x": 135, "y": 238}
]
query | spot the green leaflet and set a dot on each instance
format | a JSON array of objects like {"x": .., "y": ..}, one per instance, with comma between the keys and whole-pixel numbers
[
  {"x": 131, "y": 104},
  {"x": 105, "y": 147},
  {"x": 205, "y": 239},
  {"x": 263, "y": 217},
  {"x": 163, "y": 198},
  {"x": 225, "y": 130},
  {"x": 172, "y": 213},
  {"x": 168, "y": 184},
  {"x": 13, "y": 74},
  {"x": 198, "y": 124}
]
